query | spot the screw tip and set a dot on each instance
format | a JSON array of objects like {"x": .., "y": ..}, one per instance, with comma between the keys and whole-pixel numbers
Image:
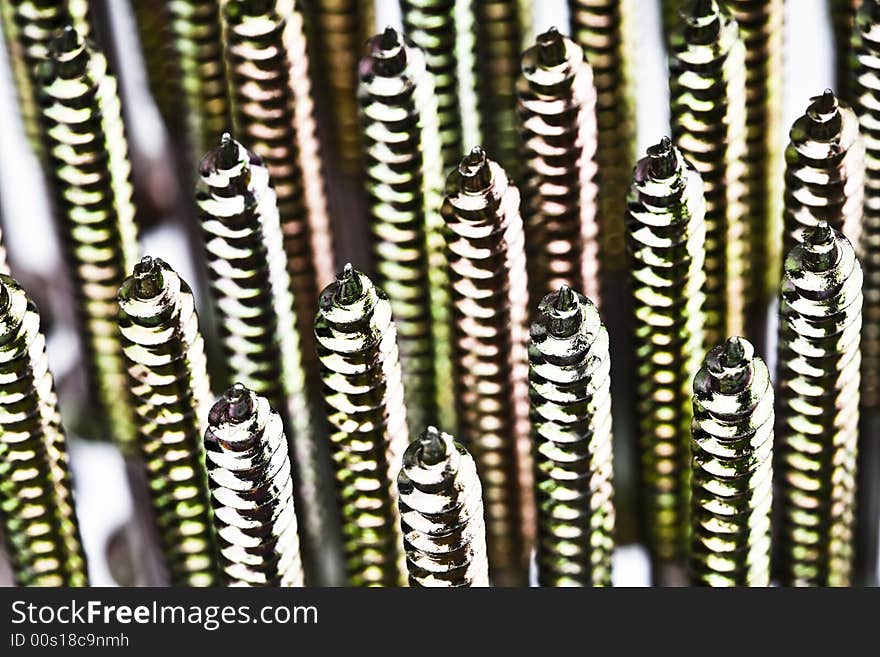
[
  {"x": 148, "y": 277},
  {"x": 474, "y": 169},
  {"x": 239, "y": 402},
  {"x": 565, "y": 299},
  {"x": 348, "y": 285},
  {"x": 551, "y": 47},
  {"x": 390, "y": 39},
  {"x": 662, "y": 156},
  {"x": 734, "y": 352},
  {"x": 824, "y": 103},
  {"x": 433, "y": 447}
]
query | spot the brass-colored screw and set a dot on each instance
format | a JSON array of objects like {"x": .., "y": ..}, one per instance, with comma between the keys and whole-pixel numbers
[
  {"x": 36, "y": 496},
  {"x": 252, "y": 490},
  {"x": 167, "y": 374},
  {"x": 603, "y": 28},
  {"x": 843, "y": 15},
  {"x": 89, "y": 178},
  {"x": 486, "y": 255},
  {"x": 824, "y": 171},
  {"x": 404, "y": 181},
  {"x": 557, "y": 121},
  {"x": 441, "y": 514},
  {"x": 363, "y": 392},
  {"x": 708, "y": 95},
  {"x": 666, "y": 241},
  {"x": 732, "y": 464},
  {"x": 152, "y": 21},
  {"x": 251, "y": 292},
  {"x": 818, "y": 409},
  {"x": 570, "y": 391}
]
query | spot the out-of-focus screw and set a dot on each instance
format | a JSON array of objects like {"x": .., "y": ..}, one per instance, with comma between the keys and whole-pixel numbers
[
  {"x": 250, "y": 289},
  {"x": 557, "y": 121},
  {"x": 252, "y": 490},
  {"x": 36, "y": 496},
  {"x": 732, "y": 468},
  {"x": 666, "y": 241},
  {"x": 402, "y": 163},
  {"x": 708, "y": 96},
  {"x": 340, "y": 27},
  {"x": 843, "y": 15},
  {"x": 29, "y": 26},
  {"x": 486, "y": 256},
  {"x": 167, "y": 373},
  {"x": 441, "y": 514},
  {"x": 818, "y": 409},
  {"x": 824, "y": 171},
  {"x": 430, "y": 24},
  {"x": 363, "y": 391},
  {"x": 570, "y": 391},
  {"x": 89, "y": 178},
  {"x": 152, "y": 21},
  {"x": 273, "y": 113},
  {"x": 603, "y": 29}
]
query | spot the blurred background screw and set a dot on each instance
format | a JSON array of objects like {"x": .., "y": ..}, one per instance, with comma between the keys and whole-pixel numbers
[
  {"x": 732, "y": 460},
  {"x": 252, "y": 490},
  {"x": 570, "y": 390},
  {"x": 843, "y": 14},
  {"x": 818, "y": 409},
  {"x": 441, "y": 513}
]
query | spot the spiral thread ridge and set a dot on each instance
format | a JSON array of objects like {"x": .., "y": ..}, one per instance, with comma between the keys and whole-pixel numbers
[
  {"x": 818, "y": 409},
  {"x": 363, "y": 393},
  {"x": 732, "y": 464},
  {"x": 167, "y": 374}
]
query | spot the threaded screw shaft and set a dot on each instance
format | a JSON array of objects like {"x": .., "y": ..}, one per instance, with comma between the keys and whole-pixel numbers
[
  {"x": 252, "y": 490},
  {"x": 707, "y": 86},
  {"x": 557, "y": 121},
  {"x": 89, "y": 178},
  {"x": 441, "y": 514},
  {"x": 36, "y": 495},
  {"x": 570, "y": 391},
  {"x": 363, "y": 392},
  {"x": 486, "y": 255},
  {"x": 732, "y": 465},
  {"x": 824, "y": 171},
  {"x": 843, "y": 15},
  {"x": 818, "y": 409},
  {"x": 666, "y": 241}
]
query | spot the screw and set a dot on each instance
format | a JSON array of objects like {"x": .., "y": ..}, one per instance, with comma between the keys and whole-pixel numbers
[
  {"x": 340, "y": 28},
  {"x": 441, "y": 512},
  {"x": 29, "y": 26},
  {"x": 152, "y": 21},
  {"x": 89, "y": 177},
  {"x": 825, "y": 171},
  {"x": 818, "y": 408},
  {"x": 167, "y": 374},
  {"x": 363, "y": 392},
  {"x": 732, "y": 465},
  {"x": 498, "y": 40},
  {"x": 485, "y": 251},
  {"x": 403, "y": 179},
  {"x": 252, "y": 490},
  {"x": 430, "y": 24},
  {"x": 708, "y": 101},
  {"x": 36, "y": 495},
  {"x": 603, "y": 28},
  {"x": 570, "y": 390},
  {"x": 557, "y": 119},
  {"x": 843, "y": 15},
  {"x": 666, "y": 238},
  {"x": 273, "y": 110},
  {"x": 250, "y": 290}
]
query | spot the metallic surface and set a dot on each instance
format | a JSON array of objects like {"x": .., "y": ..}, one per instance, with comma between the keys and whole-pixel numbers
[
  {"x": 402, "y": 163},
  {"x": 486, "y": 256},
  {"x": 36, "y": 496},
  {"x": 824, "y": 171},
  {"x": 818, "y": 409},
  {"x": 732, "y": 457},
  {"x": 666, "y": 242},
  {"x": 152, "y": 21},
  {"x": 603, "y": 28},
  {"x": 252, "y": 491},
  {"x": 88, "y": 175},
  {"x": 167, "y": 374},
  {"x": 363, "y": 391},
  {"x": 707, "y": 86},
  {"x": 557, "y": 122},
  {"x": 441, "y": 514},
  {"x": 251, "y": 293},
  {"x": 570, "y": 393},
  {"x": 843, "y": 14}
]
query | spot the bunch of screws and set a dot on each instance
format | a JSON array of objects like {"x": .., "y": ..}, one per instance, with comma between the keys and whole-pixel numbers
[{"x": 295, "y": 424}]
